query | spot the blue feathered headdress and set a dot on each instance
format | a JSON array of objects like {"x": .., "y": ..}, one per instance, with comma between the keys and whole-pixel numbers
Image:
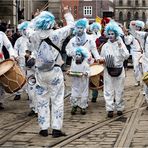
[
  {"x": 82, "y": 51},
  {"x": 113, "y": 26},
  {"x": 95, "y": 25},
  {"x": 44, "y": 20},
  {"x": 23, "y": 25},
  {"x": 82, "y": 22},
  {"x": 140, "y": 24}
]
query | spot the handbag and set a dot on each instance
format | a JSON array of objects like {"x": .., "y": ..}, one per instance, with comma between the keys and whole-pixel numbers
[{"x": 114, "y": 72}]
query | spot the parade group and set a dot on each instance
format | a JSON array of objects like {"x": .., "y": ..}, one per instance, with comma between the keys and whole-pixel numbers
[{"x": 38, "y": 53}]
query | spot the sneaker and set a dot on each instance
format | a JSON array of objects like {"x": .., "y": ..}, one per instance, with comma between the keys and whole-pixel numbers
[
  {"x": 57, "y": 133},
  {"x": 74, "y": 110},
  {"x": 83, "y": 111},
  {"x": 43, "y": 133},
  {"x": 119, "y": 113},
  {"x": 1, "y": 106},
  {"x": 110, "y": 114},
  {"x": 17, "y": 97},
  {"x": 94, "y": 100},
  {"x": 137, "y": 83},
  {"x": 143, "y": 93}
]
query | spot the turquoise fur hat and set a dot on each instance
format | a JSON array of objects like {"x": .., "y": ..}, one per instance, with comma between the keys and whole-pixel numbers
[
  {"x": 95, "y": 25},
  {"x": 140, "y": 24},
  {"x": 82, "y": 22},
  {"x": 113, "y": 26},
  {"x": 83, "y": 51},
  {"x": 23, "y": 25},
  {"x": 44, "y": 20}
]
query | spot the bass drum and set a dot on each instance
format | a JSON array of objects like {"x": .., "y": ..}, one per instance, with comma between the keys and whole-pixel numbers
[
  {"x": 96, "y": 76},
  {"x": 11, "y": 76}
]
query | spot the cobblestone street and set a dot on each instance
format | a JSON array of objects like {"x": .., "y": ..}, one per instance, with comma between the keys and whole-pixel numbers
[{"x": 93, "y": 130}]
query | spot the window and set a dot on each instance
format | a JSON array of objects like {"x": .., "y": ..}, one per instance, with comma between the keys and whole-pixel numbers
[
  {"x": 128, "y": 16},
  {"x": 143, "y": 16},
  {"x": 136, "y": 16},
  {"x": 120, "y": 2},
  {"x": 143, "y": 3},
  {"x": 121, "y": 16},
  {"x": 136, "y": 3},
  {"x": 87, "y": 10},
  {"x": 129, "y": 2}
]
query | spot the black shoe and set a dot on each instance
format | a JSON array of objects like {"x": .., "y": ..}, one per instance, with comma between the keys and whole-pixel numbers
[
  {"x": 1, "y": 106},
  {"x": 43, "y": 133},
  {"x": 32, "y": 113},
  {"x": 17, "y": 97},
  {"x": 83, "y": 111},
  {"x": 119, "y": 113},
  {"x": 110, "y": 114},
  {"x": 94, "y": 100},
  {"x": 74, "y": 110},
  {"x": 57, "y": 133}
]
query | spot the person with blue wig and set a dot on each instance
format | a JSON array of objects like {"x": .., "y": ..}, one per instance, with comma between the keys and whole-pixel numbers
[
  {"x": 47, "y": 43},
  {"x": 82, "y": 39},
  {"x": 95, "y": 28},
  {"x": 114, "y": 52},
  {"x": 142, "y": 36},
  {"x": 80, "y": 83}
]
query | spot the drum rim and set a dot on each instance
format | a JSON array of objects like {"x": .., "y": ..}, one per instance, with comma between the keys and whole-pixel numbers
[
  {"x": 98, "y": 65},
  {"x": 6, "y": 61}
]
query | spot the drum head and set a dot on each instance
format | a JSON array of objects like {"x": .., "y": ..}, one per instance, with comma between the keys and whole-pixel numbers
[
  {"x": 5, "y": 66},
  {"x": 96, "y": 69}
]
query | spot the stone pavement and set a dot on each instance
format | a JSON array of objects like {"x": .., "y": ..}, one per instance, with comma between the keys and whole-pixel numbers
[{"x": 26, "y": 135}]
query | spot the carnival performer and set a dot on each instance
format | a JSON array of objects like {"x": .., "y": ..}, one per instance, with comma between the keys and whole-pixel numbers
[
  {"x": 21, "y": 45},
  {"x": 80, "y": 80},
  {"x": 4, "y": 41},
  {"x": 136, "y": 52},
  {"x": 143, "y": 37},
  {"x": 49, "y": 77},
  {"x": 95, "y": 28},
  {"x": 114, "y": 52},
  {"x": 82, "y": 39}
]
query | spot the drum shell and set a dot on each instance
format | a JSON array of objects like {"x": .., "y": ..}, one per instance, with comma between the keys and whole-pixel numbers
[{"x": 14, "y": 79}]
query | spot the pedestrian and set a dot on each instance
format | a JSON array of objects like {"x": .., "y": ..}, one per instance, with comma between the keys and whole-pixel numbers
[
  {"x": 82, "y": 40},
  {"x": 114, "y": 52},
  {"x": 4, "y": 41},
  {"x": 80, "y": 71},
  {"x": 49, "y": 77}
]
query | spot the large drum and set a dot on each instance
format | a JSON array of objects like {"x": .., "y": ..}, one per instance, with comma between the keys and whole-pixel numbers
[
  {"x": 96, "y": 76},
  {"x": 11, "y": 76}
]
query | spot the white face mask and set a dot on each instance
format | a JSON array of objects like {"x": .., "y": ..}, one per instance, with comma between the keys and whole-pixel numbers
[
  {"x": 111, "y": 36},
  {"x": 79, "y": 31},
  {"x": 138, "y": 28},
  {"x": 96, "y": 30}
]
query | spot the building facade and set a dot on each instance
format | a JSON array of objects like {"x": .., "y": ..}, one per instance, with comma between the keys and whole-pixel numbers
[{"x": 127, "y": 10}]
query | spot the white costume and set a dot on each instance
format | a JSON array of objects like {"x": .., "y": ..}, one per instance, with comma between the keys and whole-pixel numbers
[
  {"x": 114, "y": 86},
  {"x": 49, "y": 76},
  {"x": 136, "y": 55},
  {"x": 4, "y": 41}
]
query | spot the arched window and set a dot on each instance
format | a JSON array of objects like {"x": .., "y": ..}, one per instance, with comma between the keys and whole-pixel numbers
[
  {"x": 136, "y": 16},
  {"x": 129, "y": 16},
  {"x": 143, "y": 16},
  {"x": 120, "y": 16},
  {"x": 120, "y": 2}
]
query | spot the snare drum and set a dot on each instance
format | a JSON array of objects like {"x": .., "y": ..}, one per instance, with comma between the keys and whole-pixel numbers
[
  {"x": 96, "y": 76},
  {"x": 11, "y": 76}
]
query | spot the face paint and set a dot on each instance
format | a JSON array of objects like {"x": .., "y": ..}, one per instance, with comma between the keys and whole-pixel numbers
[
  {"x": 111, "y": 36},
  {"x": 79, "y": 58},
  {"x": 138, "y": 28},
  {"x": 95, "y": 29},
  {"x": 79, "y": 31}
]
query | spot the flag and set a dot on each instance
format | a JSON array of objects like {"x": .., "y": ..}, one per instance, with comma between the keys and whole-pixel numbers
[{"x": 98, "y": 19}]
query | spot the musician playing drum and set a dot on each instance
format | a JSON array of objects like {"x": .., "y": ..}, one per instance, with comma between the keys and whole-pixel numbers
[
  {"x": 114, "y": 53},
  {"x": 4, "y": 41}
]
